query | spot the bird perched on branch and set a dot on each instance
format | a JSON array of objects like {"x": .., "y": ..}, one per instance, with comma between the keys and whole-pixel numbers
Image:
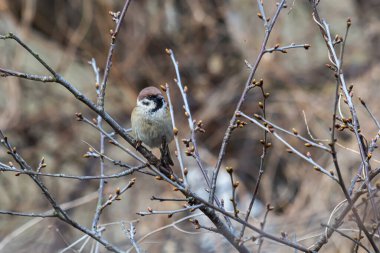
[{"x": 151, "y": 123}]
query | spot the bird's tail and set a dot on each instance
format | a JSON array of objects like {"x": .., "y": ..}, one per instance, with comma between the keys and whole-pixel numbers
[{"x": 166, "y": 159}]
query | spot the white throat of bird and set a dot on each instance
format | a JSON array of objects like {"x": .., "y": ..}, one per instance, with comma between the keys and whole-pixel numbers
[{"x": 153, "y": 105}]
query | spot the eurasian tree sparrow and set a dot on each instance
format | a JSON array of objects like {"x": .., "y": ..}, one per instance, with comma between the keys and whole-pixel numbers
[{"x": 151, "y": 122}]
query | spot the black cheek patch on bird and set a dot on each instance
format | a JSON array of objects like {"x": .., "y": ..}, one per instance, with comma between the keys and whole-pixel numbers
[{"x": 159, "y": 102}]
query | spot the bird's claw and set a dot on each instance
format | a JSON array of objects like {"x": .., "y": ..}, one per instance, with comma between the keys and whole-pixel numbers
[{"x": 138, "y": 144}]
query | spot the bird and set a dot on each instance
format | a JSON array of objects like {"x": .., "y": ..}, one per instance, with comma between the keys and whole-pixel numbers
[{"x": 151, "y": 123}]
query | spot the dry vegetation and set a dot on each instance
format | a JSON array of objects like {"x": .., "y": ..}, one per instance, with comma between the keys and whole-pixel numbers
[{"x": 216, "y": 44}]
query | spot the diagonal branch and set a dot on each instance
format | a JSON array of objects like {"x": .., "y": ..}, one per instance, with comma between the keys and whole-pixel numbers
[
  {"x": 247, "y": 87},
  {"x": 59, "y": 211}
]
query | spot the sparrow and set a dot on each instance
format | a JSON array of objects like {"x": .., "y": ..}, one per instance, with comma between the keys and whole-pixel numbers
[{"x": 151, "y": 123}]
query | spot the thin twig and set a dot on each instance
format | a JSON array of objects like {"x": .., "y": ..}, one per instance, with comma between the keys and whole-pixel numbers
[
  {"x": 262, "y": 13},
  {"x": 101, "y": 92},
  {"x": 168, "y": 199},
  {"x": 171, "y": 212},
  {"x": 44, "y": 79},
  {"x": 117, "y": 195},
  {"x": 48, "y": 214},
  {"x": 308, "y": 129},
  {"x": 209, "y": 210},
  {"x": 247, "y": 87},
  {"x": 234, "y": 185},
  {"x": 84, "y": 237},
  {"x": 179, "y": 153},
  {"x": 191, "y": 124},
  {"x": 173, "y": 224},
  {"x": 188, "y": 115},
  {"x": 111, "y": 138},
  {"x": 262, "y": 225},
  {"x": 131, "y": 232},
  {"x": 295, "y": 134},
  {"x": 61, "y": 213},
  {"x": 283, "y": 49},
  {"x": 99, "y": 122},
  {"x": 24, "y": 227},
  {"x": 124, "y": 173},
  {"x": 324, "y": 27},
  {"x": 341, "y": 56},
  {"x": 357, "y": 242},
  {"x": 370, "y": 113},
  {"x": 309, "y": 159},
  {"x": 261, "y": 168},
  {"x": 119, "y": 17},
  {"x": 337, "y": 221}
]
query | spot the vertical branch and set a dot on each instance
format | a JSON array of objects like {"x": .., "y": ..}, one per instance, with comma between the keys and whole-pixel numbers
[
  {"x": 175, "y": 130},
  {"x": 341, "y": 55},
  {"x": 191, "y": 123},
  {"x": 247, "y": 87},
  {"x": 130, "y": 233},
  {"x": 101, "y": 92},
  {"x": 234, "y": 185},
  {"x": 99, "y": 124},
  {"x": 324, "y": 28},
  {"x": 262, "y": 225},
  {"x": 188, "y": 115},
  {"x": 262, "y": 160},
  {"x": 262, "y": 14},
  {"x": 118, "y": 17}
]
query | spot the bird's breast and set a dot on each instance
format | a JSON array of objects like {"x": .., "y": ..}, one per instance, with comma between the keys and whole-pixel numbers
[{"x": 150, "y": 127}]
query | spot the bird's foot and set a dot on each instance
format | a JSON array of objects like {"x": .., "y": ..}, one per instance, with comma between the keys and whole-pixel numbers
[{"x": 138, "y": 144}]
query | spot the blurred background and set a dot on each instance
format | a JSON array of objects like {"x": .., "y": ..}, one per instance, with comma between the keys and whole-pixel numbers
[{"x": 211, "y": 40}]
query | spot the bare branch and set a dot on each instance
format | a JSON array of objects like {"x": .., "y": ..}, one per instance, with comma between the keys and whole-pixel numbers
[
  {"x": 307, "y": 158},
  {"x": 171, "y": 212},
  {"x": 357, "y": 242},
  {"x": 8, "y": 72},
  {"x": 284, "y": 49},
  {"x": 41, "y": 215},
  {"x": 175, "y": 130},
  {"x": 124, "y": 173},
  {"x": 61, "y": 214},
  {"x": 119, "y": 17},
  {"x": 131, "y": 234},
  {"x": 247, "y": 87},
  {"x": 117, "y": 195},
  {"x": 324, "y": 27}
]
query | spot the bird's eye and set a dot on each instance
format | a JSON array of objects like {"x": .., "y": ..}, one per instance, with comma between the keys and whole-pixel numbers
[{"x": 145, "y": 103}]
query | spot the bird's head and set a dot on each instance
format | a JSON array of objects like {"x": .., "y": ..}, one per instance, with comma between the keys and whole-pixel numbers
[{"x": 151, "y": 99}]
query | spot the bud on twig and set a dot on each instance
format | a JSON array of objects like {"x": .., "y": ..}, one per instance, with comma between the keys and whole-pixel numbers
[
  {"x": 348, "y": 22},
  {"x": 79, "y": 116}
]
